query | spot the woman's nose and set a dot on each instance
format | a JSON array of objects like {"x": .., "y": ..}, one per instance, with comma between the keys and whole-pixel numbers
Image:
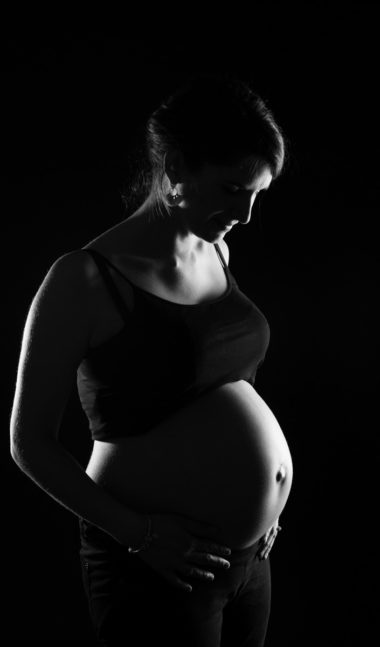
[{"x": 244, "y": 212}]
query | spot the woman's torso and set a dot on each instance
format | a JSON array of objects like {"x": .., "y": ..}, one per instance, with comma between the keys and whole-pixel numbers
[{"x": 222, "y": 459}]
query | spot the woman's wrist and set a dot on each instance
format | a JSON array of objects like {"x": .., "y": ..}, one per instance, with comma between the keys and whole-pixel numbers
[{"x": 129, "y": 526}]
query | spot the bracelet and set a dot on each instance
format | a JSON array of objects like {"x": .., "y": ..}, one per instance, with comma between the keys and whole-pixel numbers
[{"x": 148, "y": 538}]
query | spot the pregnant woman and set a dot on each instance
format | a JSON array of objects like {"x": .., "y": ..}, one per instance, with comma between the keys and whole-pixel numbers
[{"x": 179, "y": 504}]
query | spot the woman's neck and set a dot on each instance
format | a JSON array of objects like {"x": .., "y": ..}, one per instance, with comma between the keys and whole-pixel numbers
[{"x": 163, "y": 238}]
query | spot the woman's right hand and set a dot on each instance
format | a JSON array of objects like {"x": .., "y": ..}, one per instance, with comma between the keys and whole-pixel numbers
[{"x": 181, "y": 553}]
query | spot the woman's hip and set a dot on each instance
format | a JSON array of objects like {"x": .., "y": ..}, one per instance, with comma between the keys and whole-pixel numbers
[{"x": 126, "y": 595}]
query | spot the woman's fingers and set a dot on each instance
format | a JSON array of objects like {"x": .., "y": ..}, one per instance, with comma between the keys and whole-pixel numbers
[
  {"x": 198, "y": 573},
  {"x": 213, "y": 549},
  {"x": 178, "y": 583},
  {"x": 267, "y": 549},
  {"x": 206, "y": 553},
  {"x": 196, "y": 559},
  {"x": 208, "y": 558},
  {"x": 188, "y": 572},
  {"x": 268, "y": 541}
]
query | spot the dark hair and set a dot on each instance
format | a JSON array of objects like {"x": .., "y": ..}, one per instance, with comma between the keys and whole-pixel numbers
[{"x": 210, "y": 119}]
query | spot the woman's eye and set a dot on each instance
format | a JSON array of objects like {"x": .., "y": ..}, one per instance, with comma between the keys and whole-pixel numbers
[{"x": 232, "y": 188}]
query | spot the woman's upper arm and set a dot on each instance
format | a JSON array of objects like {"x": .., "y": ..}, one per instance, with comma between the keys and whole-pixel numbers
[{"x": 56, "y": 336}]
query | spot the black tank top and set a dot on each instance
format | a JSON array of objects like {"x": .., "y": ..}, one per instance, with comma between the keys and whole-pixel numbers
[{"x": 166, "y": 355}]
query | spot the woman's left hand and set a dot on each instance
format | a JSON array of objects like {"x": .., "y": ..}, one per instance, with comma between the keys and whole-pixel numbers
[{"x": 267, "y": 540}]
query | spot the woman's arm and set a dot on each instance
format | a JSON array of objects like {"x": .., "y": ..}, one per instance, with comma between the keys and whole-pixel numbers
[{"x": 56, "y": 336}]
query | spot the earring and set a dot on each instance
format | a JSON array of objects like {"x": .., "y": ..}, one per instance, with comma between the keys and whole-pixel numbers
[{"x": 174, "y": 196}]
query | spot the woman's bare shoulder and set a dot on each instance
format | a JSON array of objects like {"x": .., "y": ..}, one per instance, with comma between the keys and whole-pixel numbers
[
  {"x": 72, "y": 270},
  {"x": 68, "y": 300},
  {"x": 65, "y": 294}
]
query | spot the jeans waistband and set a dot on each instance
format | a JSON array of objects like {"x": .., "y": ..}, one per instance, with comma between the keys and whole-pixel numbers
[{"x": 90, "y": 531}]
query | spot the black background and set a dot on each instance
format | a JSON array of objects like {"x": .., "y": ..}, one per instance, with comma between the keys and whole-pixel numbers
[{"x": 73, "y": 99}]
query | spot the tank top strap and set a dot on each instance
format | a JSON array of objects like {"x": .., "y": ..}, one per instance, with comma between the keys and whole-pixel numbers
[
  {"x": 101, "y": 261},
  {"x": 221, "y": 257},
  {"x": 225, "y": 266}
]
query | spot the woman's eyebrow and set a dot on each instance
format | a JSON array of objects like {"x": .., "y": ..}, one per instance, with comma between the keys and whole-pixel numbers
[{"x": 242, "y": 186}]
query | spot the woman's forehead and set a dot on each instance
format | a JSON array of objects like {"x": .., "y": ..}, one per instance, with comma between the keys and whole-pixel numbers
[
  {"x": 251, "y": 167},
  {"x": 248, "y": 172}
]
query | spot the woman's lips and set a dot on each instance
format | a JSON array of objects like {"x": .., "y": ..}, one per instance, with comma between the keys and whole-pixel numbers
[{"x": 222, "y": 224}]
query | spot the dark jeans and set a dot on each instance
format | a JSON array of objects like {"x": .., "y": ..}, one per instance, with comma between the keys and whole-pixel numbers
[{"x": 131, "y": 605}]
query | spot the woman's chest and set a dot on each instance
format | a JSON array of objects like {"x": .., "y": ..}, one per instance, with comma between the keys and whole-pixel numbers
[{"x": 202, "y": 283}]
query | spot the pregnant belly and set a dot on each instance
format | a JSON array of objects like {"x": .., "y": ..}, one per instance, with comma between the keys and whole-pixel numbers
[{"x": 223, "y": 460}]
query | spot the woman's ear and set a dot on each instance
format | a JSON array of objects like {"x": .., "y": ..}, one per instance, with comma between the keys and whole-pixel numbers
[{"x": 174, "y": 166}]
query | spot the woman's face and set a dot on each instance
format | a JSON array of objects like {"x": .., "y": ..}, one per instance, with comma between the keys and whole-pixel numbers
[{"x": 220, "y": 197}]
